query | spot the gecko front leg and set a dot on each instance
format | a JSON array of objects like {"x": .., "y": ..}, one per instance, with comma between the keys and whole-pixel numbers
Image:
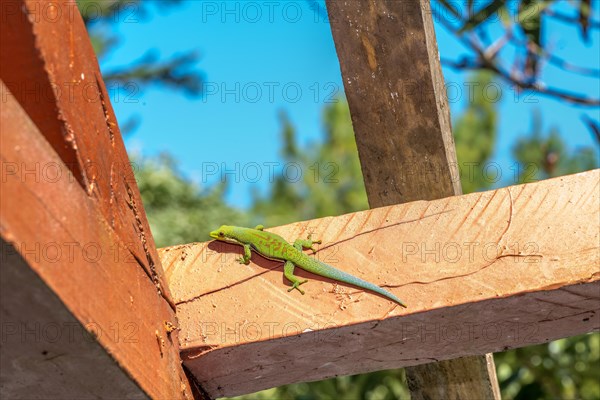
[
  {"x": 245, "y": 259},
  {"x": 307, "y": 243}
]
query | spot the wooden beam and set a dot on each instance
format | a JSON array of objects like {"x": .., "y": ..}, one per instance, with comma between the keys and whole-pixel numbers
[
  {"x": 466, "y": 377},
  {"x": 63, "y": 236},
  {"x": 50, "y": 68},
  {"x": 480, "y": 272},
  {"x": 395, "y": 88},
  {"x": 46, "y": 352}
]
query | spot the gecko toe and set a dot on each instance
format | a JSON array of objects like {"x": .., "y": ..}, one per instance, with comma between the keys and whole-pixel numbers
[{"x": 296, "y": 285}]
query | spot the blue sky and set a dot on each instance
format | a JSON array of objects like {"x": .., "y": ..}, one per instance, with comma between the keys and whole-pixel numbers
[{"x": 260, "y": 58}]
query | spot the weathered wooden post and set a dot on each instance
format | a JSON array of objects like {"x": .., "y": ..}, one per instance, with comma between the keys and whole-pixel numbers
[{"x": 86, "y": 310}]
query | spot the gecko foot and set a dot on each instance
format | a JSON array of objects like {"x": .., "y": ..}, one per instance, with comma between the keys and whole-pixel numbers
[
  {"x": 312, "y": 248},
  {"x": 311, "y": 242},
  {"x": 309, "y": 236},
  {"x": 296, "y": 285},
  {"x": 306, "y": 244}
]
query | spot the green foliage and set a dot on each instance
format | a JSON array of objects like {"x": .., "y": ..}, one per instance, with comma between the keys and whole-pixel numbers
[
  {"x": 475, "y": 136},
  {"x": 381, "y": 385},
  {"x": 178, "y": 211},
  {"x": 564, "y": 369},
  {"x": 331, "y": 183},
  {"x": 543, "y": 156},
  {"x": 538, "y": 155}
]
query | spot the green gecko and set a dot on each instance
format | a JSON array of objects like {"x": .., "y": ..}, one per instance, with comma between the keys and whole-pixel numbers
[{"x": 273, "y": 246}]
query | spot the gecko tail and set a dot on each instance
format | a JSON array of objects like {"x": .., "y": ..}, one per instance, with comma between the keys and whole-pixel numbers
[{"x": 336, "y": 274}]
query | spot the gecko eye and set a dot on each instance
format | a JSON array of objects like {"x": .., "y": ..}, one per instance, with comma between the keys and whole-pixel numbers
[{"x": 221, "y": 234}]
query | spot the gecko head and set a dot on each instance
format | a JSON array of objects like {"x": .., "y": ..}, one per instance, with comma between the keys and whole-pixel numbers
[{"x": 223, "y": 233}]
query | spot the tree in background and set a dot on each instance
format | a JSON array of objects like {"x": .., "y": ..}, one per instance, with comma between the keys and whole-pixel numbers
[
  {"x": 332, "y": 182},
  {"x": 176, "y": 73},
  {"x": 178, "y": 210},
  {"x": 563, "y": 369},
  {"x": 518, "y": 51},
  {"x": 543, "y": 156},
  {"x": 475, "y": 137}
]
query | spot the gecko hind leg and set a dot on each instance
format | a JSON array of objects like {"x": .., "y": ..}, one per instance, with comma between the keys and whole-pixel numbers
[{"x": 288, "y": 271}]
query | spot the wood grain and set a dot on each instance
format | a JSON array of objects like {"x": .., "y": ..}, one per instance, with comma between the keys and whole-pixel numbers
[
  {"x": 395, "y": 89},
  {"x": 63, "y": 236},
  {"x": 481, "y": 272},
  {"x": 50, "y": 68}
]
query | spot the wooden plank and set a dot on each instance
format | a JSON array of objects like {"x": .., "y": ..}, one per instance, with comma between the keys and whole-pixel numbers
[
  {"x": 465, "y": 377},
  {"x": 395, "y": 89},
  {"x": 46, "y": 353},
  {"x": 50, "y": 68},
  {"x": 64, "y": 238},
  {"x": 393, "y": 79},
  {"x": 480, "y": 272}
]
